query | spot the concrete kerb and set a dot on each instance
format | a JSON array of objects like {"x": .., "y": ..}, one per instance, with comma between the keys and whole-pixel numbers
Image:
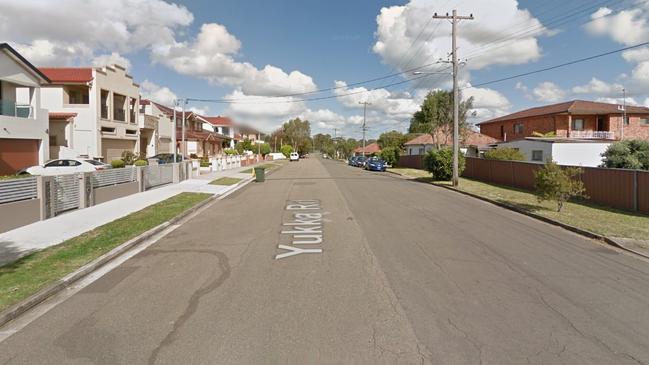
[
  {"x": 20, "y": 308},
  {"x": 583, "y": 232}
]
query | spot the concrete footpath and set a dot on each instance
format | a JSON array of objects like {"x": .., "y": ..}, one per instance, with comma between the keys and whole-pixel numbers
[{"x": 37, "y": 236}]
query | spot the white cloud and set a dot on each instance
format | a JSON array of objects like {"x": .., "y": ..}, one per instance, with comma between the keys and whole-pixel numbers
[
  {"x": 399, "y": 26},
  {"x": 111, "y": 59},
  {"x": 620, "y": 101},
  {"x": 548, "y": 92},
  {"x": 626, "y": 26},
  {"x": 157, "y": 93},
  {"x": 487, "y": 103},
  {"x": 72, "y": 31},
  {"x": 394, "y": 105},
  {"x": 211, "y": 56},
  {"x": 598, "y": 87}
]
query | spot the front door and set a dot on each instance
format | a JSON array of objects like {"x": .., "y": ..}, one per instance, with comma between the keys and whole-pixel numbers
[
  {"x": 144, "y": 143},
  {"x": 601, "y": 123}
]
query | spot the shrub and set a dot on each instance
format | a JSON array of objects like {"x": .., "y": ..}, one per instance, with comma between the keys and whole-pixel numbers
[
  {"x": 508, "y": 154},
  {"x": 286, "y": 150},
  {"x": 440, "y": 163},
  {"x": 558, "y": 184},
  {"x": 193, "y": 155},
  {"x": 141, "y": 163},
  {"x": 128, "y": 157},
  {"x": 230, "y": 151},
  {"x": 390, "y": 155},
  {"x": 117, "y": 164},
  {"x": 630, "y": 154}
]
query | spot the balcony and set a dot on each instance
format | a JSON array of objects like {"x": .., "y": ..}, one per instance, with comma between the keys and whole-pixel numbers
[
  {"x": 592, "y": 135},
  {"x": 11, "y": 109}
]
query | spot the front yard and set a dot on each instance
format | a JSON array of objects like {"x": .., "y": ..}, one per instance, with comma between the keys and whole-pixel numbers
[{"x": 601, "y": 220}]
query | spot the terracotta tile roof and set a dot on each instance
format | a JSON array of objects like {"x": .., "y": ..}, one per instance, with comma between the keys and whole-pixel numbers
[
  {"x": 73, "y": 75},
  {"x": 469, "y": 138},
  {"x": 62, "y": 116},
  {"x": 369, "y": 149},
  {"x": 572, "y": 107},
  {"x": 423, "y": 139},
  {"x": 219, "y": 121}
]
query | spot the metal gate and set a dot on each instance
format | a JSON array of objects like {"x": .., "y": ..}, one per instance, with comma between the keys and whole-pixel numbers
[
  {"x": 156, "y": 175},
  {"x": 66, "y": 193}
]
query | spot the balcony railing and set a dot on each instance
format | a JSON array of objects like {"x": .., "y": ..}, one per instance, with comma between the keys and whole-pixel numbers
[
  {"x": 11, "y": 109},
  {"x": 592, "y": 135}
]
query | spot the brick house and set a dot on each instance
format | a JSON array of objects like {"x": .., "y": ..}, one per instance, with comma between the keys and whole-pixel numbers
[
  {"x": 421, "y": 144},
  {"x": 575, "y": 119},
  {"x": 370, "y": 149}
]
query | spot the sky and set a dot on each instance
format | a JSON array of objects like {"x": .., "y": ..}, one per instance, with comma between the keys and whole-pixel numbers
[{"x": 265, "y": 62}]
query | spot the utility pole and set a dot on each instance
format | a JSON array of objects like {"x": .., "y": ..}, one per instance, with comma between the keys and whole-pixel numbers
[
  {"x": 183, "y": 149},
  {"x": 175, "y": 138},
  {"x": 456, "y": 94},
  {"x": 365, "y": 104}
]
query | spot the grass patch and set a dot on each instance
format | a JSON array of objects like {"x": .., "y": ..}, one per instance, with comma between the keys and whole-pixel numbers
[
  {"x": 414, "y": 173},
  {"x": 602, "y": 220},
  {"x": 28, "y": 275},
  {"x": 267, "y": 166},
  {"x": 225, "y": 181}
]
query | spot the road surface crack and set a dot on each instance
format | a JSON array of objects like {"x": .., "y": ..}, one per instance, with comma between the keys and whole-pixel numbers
[{"x": 194, "y": 300}]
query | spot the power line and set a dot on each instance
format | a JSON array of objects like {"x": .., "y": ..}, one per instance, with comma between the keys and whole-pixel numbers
[{"x": 557, "y": 66}]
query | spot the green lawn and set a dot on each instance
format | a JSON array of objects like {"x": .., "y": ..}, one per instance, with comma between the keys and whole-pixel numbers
[
  {"x": 602, "y": 220},
  {"x": 32, "y": 273},
  {"x": 414, "y": 173},
  {"x": 225, "y": 181},
  {"x": 267, "y": 166}
]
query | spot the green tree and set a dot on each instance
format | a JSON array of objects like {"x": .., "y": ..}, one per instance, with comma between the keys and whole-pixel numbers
[
  {"x": 347, "y": 146},
  {"x": 439, "y": 162},
  {"x": 263, "y": 148},
  {"x": 629, "y": 154},
  {"x": 558, "y": 184},
  {"x": 435, "y": 116},
  {"x": 390, "y": 155},
  {"x": 286, "y": 150},
  {"x": 394, "y": 139},
  {"x": 245, "y": 145},
  {"x": 297, "y": 133},
  {"x": 508, "y": 154}
]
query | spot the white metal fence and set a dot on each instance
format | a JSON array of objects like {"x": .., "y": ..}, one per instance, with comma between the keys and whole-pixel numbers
[
  {"x": 113, "y": 177},
  {"x": 18, "y": 189},
  {"x": 157, "y": 175},
  {"x": 66, "y": 193}
]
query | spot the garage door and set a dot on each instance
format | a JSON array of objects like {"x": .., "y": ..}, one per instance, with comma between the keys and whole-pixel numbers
[
  {"x": 112, "y": 149},
  {"x": 16, "y": 154}
]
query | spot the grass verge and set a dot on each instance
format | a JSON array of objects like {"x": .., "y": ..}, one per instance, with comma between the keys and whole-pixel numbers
[
  {"x": 32, "y": 273},
  {"x": 225, "y": 181},
  {"x": 267, "y": 166},
  {"x": 605, "y": 221}
]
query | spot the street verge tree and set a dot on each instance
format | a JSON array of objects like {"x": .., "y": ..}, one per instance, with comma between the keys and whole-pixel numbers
[
  {"x": 439, "y": 162},
  {"x": 286, "y": 150},
  {"x": 557, "y": 184}
]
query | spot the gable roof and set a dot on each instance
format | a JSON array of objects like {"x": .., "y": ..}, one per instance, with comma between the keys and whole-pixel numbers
[
  {"x": 422, "y": 139},
  {"x": 68, "y": 75},
  {"x": 370, "y": 148},
  {"x": 469, "y": 138},
  {"x": 20, "y": 59},
  {"x": 571, "y": 107},
  {"x": 219, "y": 121}
]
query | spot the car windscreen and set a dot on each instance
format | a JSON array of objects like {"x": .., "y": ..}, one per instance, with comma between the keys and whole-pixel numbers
[{"x": 94, "y": 162}]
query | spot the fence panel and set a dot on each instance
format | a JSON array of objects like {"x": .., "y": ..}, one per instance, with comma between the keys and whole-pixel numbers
[
  {"x": 643, "y": 192},
  {"x": 113, "y": 177},
  {"x": 158, "y": 175},
  {"x": 413, "y": 162},
  {"x": 613, "y": 188},
  {"x": 523, "y": 175},
  {"x": 66, "y": 193},
  {"x": 18, "y": 189}
]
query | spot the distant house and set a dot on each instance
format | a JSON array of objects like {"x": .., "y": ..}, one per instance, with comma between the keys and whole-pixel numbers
[
  {"x": 24, "y": 124},
  {"x": 420, "y": 145},
  {"x": 156, "y": 128},
  {"x": 370, "y": 149},
  {"x": 575, "y": 119},
  {"x": 563, "y": 151},
  {"x": 105, "y": 105},
  {"x": 224, "y": 126}
]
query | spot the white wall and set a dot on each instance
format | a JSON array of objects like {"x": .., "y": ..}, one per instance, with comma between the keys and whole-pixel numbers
[
  {"x": 579, "y": 154},
  {"x": 526, "y": 147}
]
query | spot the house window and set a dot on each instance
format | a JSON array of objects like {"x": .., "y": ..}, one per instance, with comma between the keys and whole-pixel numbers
[
  {"x": 131, "y": 132},
  {"x": 104, "y": 104},
  {"x": 577, "y": 124},
  {"x": 422, "y": 150},
  {"x": 502, "y": 131},
  {"x": 119, "y": 107},
  {"x": 537, "y": 155},
  {"x": 107, "y": 130},
  {"x": 626, "y": 120},
  {"x": 644, "y": 121},
  {"x": 519, "y": 128}
]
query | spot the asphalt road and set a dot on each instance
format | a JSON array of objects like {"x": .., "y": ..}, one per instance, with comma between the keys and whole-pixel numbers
[{"x": 381, "y": 270}]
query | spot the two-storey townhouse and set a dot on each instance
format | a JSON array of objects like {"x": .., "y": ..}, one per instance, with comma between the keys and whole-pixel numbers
[
  {"x": 224, "y": 126},
  {"x": 24, "y": 124},
  {"x": 577, "y": 119},
  {"x": 199, "y": 140},
  {"x": 156, "y": 128},
  {"x": 105, "y": 101}
]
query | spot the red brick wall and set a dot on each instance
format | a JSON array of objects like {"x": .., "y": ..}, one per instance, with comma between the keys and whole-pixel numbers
[
  {"x": 634, "y": 130},
  {"x": 541, "y": 124}
]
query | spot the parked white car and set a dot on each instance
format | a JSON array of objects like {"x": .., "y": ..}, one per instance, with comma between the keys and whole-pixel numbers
[
  {"x": 67, "y": 166},
  {"x": 294, "y": 156}
]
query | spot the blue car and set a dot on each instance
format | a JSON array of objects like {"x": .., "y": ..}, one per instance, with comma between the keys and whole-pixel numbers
[
  {"x": 352, "y": 160},
  {"x": 375, "y": 164},
  {"x": 360, "y": 161}
]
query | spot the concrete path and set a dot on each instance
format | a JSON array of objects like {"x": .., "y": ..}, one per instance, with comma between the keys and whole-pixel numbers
[
  {"x": 325, "y": 263},
  {"x": 37, "y": 236}
]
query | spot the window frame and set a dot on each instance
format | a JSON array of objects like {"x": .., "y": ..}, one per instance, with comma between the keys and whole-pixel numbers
[
  {"x": 573, "y": 125},
  {"x": 534, "y": 152}
]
